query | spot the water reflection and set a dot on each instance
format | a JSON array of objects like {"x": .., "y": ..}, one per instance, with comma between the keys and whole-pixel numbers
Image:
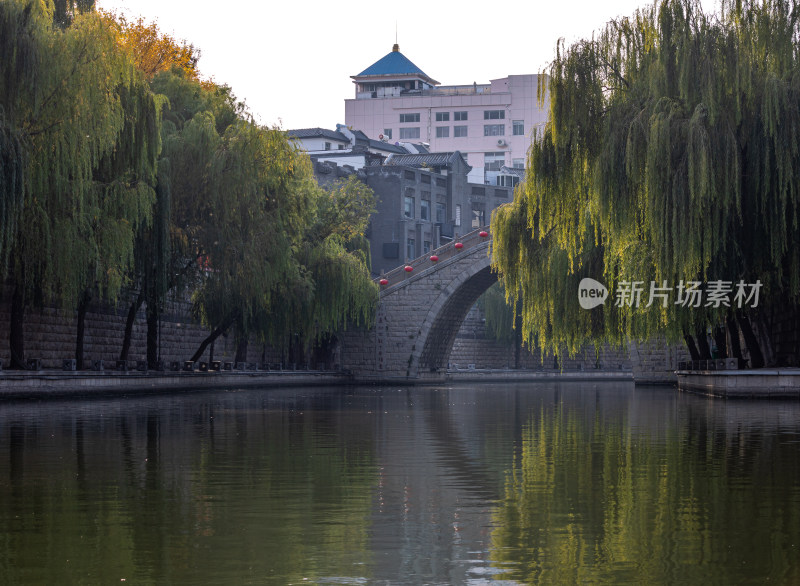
[
  {"x": 513, "y": 483},
  {"x": 670, "y": 489}
]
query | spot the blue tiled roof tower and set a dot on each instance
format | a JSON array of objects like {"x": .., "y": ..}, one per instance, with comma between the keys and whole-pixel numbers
[{"x": 394, "y": 63}]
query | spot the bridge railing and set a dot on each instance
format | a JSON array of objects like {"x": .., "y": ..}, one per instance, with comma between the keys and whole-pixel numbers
[{"x": 447, "y": 251}]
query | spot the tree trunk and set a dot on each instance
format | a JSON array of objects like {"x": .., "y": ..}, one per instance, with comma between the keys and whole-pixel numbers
[
  {"x": 702, "y": 346},
  {"x": 211, "y": 337},
  {"x": 693, "y": 351},
  {"x": 241, "y": 350},
  {"x": 750, "y": 340},
  {"x": 761, "y": 330},
  {"x": 720, "y": 341},
  {"x": 16, "y": 336},
  {"x": 83, "y": 307},
  {"x": 152, "y": 335},
  {"x": 733, "y": 335},
  {"x": 126, "y": 339},
  {"x": 518, "y": 336}
]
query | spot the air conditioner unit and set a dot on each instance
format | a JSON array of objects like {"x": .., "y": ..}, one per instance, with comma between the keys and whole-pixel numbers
[{"x": 501, "y": 142}]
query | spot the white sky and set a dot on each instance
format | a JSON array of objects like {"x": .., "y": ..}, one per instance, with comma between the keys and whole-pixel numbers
[{"x": 291, "y": 61}]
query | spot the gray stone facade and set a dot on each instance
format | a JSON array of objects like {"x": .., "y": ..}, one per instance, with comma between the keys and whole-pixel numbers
[{"x": 424, "y": 202}]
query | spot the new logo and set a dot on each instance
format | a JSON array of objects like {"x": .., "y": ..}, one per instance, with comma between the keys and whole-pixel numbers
[{"x": 591, "y": 293}]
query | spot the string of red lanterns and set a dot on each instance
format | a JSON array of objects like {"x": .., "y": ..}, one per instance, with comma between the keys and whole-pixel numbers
[{"x": 433, "y": 258}]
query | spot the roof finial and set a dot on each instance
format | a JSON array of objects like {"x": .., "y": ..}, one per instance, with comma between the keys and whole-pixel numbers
[{"x": 395, "y": 47}]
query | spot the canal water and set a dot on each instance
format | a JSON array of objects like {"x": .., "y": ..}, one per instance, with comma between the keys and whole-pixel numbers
[{"x": 574, "y": 483}]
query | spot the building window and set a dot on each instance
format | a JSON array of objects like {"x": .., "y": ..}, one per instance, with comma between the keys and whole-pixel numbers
[
  {"x": 341, "y": 147},
  {"x": 426, "y": 246},
  {"x": 441, "y": 182},
  {"x": 458, "y": 215},
  {"x": 476, "y": 190},
  {"x": 459, "y": 131},
  {"x": 425, "y": 209},
  {"x": 409, "y": 118},
  {"x": 409, "y": 132},
  {"x": 477, "y": 218},
  {"x": 387, "y": 133},
  {"x": 493, "y": 161},
  {"x": 459, "y": 116},
  {"x": 494, "y": 130},
  {"x": 518, "y": 163},
  {"x": 411, "y": 249},
  {"x": 327, "y": 146},
  {"x": 425, "y": 178},
  {"x": 411, "y": 176},
  {"x": 518, "y": 127},
  {"x": 506, "y": 181},
  {"x": 442, "y": 116},
  {"x": 442, "y": 132},
  {"x": 440, "y": 211},
  {"x": 494, "y": 114},
  {"x": 409, "y": 207}
]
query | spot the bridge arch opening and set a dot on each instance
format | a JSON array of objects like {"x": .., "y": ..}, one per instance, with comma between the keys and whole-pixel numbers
[{"x": 447, "y": 315}]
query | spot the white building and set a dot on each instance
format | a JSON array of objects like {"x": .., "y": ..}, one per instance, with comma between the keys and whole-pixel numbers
[{"x": 490, "y": 124}]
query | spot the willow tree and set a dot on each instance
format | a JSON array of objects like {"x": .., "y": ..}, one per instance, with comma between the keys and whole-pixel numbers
[
  {"x": 281, "y": 255},
  {"x": 65, "y": 11},
  {"x": 87, "y": 131},
  {"x": 167, "y": 250},
  {"x": 335, "y": 257},
  {"x": 670, "y": 154},
  {"x": 259, "y": 195}
]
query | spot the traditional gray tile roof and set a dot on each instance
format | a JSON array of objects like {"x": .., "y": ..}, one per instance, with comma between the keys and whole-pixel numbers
[
  {"x": 317, "y": 133},
  {"x": 387, "y": 147},
  {"x": 428, "y": 160},
  {"x": 512, "y": 171}
]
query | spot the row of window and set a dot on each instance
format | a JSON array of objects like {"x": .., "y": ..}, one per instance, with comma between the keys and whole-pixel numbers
[
  {"x": 411, "y": 248},
  {"x": 478, "y": 219},
  {"x": 444, "y": 131},
  {"x": 424, "y": 209},
  {"x": 518, "y": 128},
  {"x": 460, "y": 116},
  {"x": 459, "y": 131},
  {"x": 457, "y": 116}
]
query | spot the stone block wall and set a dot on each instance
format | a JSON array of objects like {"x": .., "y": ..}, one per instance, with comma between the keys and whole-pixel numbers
[
  {"x": 50, "y": 334},
  {"x": 473, "y": 348}
]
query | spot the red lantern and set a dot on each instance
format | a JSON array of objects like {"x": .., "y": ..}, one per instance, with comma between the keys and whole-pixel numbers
[
  {"x": 384, "y": 282},
  {"x": 434, "y": 258},
  {"x": 458, "y": 245},
  {"x": 483, "y": 233},
  {"x": 409, "y": 268}
]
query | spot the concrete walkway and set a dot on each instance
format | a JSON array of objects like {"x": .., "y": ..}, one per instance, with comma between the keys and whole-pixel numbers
[
  {"x": 761, "y": 382},
  {"x": 57, "y": 383},
  {"x": 45, "y": 383}
]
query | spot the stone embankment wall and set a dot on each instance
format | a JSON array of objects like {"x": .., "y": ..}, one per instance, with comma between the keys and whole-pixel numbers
[
  {"x": 653, "y": 361},
  {"x": 50, "y": 335}
]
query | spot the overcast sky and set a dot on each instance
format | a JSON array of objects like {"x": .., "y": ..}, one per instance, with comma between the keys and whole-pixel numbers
[{"x": 291, "y": 61}]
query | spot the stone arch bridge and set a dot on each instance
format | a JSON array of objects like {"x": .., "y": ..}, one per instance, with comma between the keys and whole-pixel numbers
[{"x": 420, "y": 312}]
